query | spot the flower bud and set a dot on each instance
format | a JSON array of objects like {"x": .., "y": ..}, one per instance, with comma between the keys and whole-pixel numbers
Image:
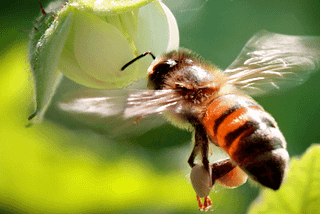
[{"x": 89, "y": 41}]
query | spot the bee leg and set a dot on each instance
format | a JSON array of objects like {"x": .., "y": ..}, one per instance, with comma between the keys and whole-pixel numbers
[
  {"x": 201, "y": 206},
  {"x": 207, "y": 203},
  {"x": 201, "y": 141},
  {"x": 205, "y": 160},
  {"x": 222, "y": 167},
  {"x": 192, "y": 157},
  {"x": 228, "y": 174}
]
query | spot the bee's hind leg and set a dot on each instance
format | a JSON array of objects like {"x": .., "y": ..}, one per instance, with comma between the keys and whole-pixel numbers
[
  {"x": 192, "y": 157},
  {"x": 201, "y": 142},
  {"x": 207, "y": 203},
  {"x": 201, "y": 206}
]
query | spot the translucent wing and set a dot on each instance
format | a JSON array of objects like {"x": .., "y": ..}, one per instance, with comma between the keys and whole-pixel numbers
[
  {"x": 102, "y": 103},
  {"x": 271, "y": 61},
  {"x": 148, "y": 102},
  {"x": 118, "y": 113}
]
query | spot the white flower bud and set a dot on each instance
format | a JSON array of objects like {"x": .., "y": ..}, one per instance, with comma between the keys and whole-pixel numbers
[{"x": 89, "y": 41}]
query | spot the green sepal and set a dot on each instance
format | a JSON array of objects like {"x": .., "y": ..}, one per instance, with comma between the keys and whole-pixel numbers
[
  {"x": 46, "y": 44},
  {"x": 103, "y": 7}
]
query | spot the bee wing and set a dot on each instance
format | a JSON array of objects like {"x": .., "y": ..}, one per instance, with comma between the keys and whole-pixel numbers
[
  {"x": 144, "y": 103},
  {"x": 118, "y": 113},
  {"x": 271, "y": 61}
]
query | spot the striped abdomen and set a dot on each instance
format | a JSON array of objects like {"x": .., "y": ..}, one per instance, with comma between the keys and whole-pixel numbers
[{"x": 250, "y": 136}]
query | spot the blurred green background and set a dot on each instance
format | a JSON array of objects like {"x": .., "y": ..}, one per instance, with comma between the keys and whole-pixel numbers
[{"x": 60, "y": 167}]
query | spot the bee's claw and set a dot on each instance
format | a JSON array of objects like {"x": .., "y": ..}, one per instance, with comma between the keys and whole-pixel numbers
[
  {"x": 200, "y": 203},
  {"x": 206, "y": 205}
]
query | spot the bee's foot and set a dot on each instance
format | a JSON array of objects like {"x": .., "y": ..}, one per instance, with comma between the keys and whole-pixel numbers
[{"x": 206, "y": 205}]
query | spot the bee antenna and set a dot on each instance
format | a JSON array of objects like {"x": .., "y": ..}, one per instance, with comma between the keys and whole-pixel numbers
[{"x": 138, "y": 57}]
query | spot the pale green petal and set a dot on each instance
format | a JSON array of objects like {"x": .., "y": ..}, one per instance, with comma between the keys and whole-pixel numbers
[
  {"x": 155, "y": 30},
  {"x": 101, "y": 50},
  {"x": 173, "y": 29},
  {"x": 127, "y": 25},
  {"x": 44, "y": 58},
  {"x": 70, "y": 68}
]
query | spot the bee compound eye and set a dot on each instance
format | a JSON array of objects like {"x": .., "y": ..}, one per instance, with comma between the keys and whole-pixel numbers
[
  {"x": 157, "y": 76},
  {"x": 201, "y": 180},
  {"x": 161, "y": 68}
]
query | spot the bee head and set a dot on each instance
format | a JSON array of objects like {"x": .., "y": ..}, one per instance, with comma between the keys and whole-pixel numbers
[
  {"x": 180, "y": 67},
  {"x": 159, "y": 71}
]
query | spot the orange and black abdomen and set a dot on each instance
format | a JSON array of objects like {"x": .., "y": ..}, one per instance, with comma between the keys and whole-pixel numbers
[{"x": 250, "y": 136}]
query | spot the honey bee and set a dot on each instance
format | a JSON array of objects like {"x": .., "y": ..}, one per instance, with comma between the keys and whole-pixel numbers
[{"x": 216, "y": 105}]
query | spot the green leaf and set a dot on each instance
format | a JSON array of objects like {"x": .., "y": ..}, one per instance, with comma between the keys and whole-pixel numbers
[
  {"x": 102, "y": 7},
  {"x": 46, "y": 45},
  {"x": 301, "y": 191}
]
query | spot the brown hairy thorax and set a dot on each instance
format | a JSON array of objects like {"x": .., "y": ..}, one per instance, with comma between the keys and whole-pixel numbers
[{"x": 187, "y": 73}]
